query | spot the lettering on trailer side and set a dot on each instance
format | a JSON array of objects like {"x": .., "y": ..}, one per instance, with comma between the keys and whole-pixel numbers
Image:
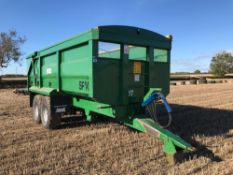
[{"x": 84, "y": 85}]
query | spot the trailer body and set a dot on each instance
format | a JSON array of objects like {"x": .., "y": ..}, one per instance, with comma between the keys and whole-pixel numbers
[{"x": 108, "y": 70}]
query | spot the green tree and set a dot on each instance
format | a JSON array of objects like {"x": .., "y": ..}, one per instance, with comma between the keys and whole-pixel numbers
[
  {"x": 10, "y": 47},
  {"x": 221, "y": 64},
  {"x": 197, "y": 71}
]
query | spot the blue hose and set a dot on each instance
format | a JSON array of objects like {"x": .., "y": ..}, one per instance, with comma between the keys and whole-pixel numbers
[{"x": 152, "y": 99}]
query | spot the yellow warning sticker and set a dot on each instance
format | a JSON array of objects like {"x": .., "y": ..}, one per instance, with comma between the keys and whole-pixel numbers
[{"x": 137, "y": 67}]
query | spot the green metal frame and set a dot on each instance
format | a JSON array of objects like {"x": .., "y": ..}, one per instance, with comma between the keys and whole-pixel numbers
[
  {"x": 102, "y": 85},
  {"x": 140, "y": 123}
]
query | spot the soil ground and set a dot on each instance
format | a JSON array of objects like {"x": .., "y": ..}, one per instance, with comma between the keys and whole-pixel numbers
[{"x": 202, "y": 115}]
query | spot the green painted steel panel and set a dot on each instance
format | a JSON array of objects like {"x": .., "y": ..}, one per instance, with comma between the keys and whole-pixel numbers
[
  {"x": 35, "y": 74},
  {"x": 106, "y": 74},
  {"x": 133, "y": 36},
  {"x": 74, "y": 67},
  {"x": 160, "y": 55},
  {"x": 137, "y": 53},
  {"x": 170, "y": 140},
  {"x": 43, "y": 91},
  {"x": 76, "y": 70},
  {"x": 68, "y": 43},
  {"x": 49, "y": 71},
  {"x": 96, "y": 107}
]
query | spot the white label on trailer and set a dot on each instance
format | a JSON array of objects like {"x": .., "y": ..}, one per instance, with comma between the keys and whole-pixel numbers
[
  {"x": 136, "y": 77},
  {"x": 49, "y": 71},
  {"x": 58, "y": 110}
]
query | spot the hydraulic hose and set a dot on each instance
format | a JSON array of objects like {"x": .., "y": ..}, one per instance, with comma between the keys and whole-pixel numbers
[{"x": 150, "y": 105}]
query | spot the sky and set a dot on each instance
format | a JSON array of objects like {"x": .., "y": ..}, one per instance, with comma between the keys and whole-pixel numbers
[{"x": 200, "y": 28}]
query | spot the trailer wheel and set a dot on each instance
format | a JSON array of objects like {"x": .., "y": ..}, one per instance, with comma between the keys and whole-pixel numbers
[
  {"x": 49, "y": 120},
  {"x": 36, "y": 109}
]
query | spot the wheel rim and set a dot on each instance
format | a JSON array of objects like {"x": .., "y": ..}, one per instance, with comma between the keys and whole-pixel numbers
[{"x": 45, "y": 116}]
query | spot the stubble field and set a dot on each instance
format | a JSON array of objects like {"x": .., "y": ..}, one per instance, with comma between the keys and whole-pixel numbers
[{"x": 202, "y": 115}]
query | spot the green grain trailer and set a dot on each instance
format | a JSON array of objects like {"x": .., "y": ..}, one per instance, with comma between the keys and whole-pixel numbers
[{"x": 113, "y": 71}]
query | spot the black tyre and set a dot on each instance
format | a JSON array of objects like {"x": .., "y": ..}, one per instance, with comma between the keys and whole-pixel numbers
[
  {"x": 36, "y": 109},
  {"x": 49, "y": 120}
]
